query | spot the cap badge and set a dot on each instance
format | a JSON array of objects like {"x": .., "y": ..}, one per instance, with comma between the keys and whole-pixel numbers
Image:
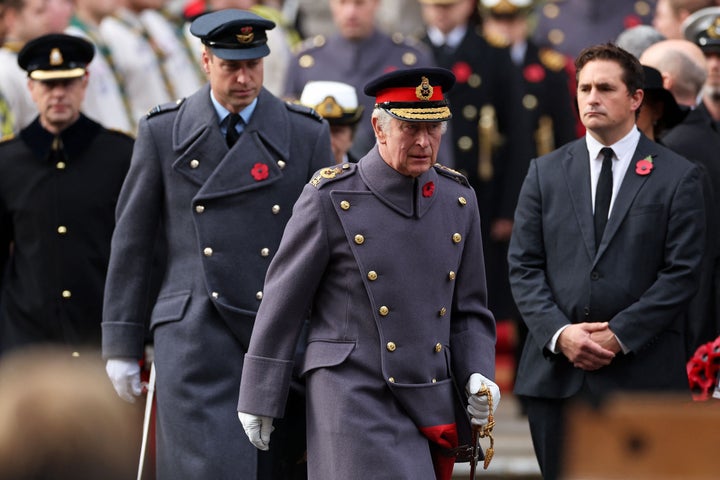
[
  {"x": 330, "y": 108},
  {"x": 713, "y": 30},
  {"x": 56, "y": 57},
  {"x": 424, "y": 91},
  {"x": 246, "y": 35}
]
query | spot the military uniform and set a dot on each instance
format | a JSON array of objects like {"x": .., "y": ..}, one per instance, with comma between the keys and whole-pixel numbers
[
  {"x": 571, "y": 25},
  {"x": 57, "y": 204},
  {"x": 6, "y": 118},
  {"x": 13, "y": 86},
  {"x": 354, "y": 62}
]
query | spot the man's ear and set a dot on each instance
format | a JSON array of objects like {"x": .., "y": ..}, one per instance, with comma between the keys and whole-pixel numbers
[{"x": 379, "y": 134}]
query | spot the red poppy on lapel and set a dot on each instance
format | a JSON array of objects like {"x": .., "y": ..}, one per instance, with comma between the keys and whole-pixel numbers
[
  {"x": 428, "y": 189},
  {"x": 644, "y": 166},
  {"x": 259, "y": 171},
  {"x": 534, "y": 73},
  {"x": 462, "y": 72}
]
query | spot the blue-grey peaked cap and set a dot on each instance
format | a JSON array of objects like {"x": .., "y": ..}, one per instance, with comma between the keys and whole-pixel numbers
[{"x": 233, "y": 34}]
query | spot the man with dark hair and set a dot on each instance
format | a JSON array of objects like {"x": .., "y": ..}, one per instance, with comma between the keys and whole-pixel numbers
[{"x": 604, "y": 258}]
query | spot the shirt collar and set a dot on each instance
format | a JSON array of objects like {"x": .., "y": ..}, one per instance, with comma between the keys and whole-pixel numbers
[
  {"x": 222, "y": 112},
  {"x": 452, "y": 39},
  {"x": 622, "y": 148}
]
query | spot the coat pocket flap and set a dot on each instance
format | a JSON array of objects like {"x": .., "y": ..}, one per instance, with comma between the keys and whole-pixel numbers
[
  {"x": 169, "y": 308},
  {"x": 325, "y": 354}
]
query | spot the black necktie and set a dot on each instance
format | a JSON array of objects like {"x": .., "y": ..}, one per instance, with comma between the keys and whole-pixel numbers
[
  {"x": 603, "y": 193},
  {"x": 232, "y": 134}
]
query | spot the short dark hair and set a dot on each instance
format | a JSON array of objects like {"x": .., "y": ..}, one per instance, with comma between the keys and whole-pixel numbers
[{"x": 633, "y": 76}]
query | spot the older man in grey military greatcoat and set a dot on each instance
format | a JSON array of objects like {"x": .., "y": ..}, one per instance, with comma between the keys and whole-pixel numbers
[
  {"x": 387, "y": 256},
  {"x": 220, "y": 204}
]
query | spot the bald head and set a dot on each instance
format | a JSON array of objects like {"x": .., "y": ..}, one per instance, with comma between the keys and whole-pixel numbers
[{"x": 682, "y": 65}]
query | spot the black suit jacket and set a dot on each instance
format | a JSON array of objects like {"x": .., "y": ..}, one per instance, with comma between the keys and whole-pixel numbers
[{"x": 640, "y": 278}]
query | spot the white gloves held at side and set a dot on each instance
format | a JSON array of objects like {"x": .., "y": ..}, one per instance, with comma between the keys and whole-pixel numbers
[
  {"x": 124, "y": 374},
  {"x": 257, "y": 428},
  {"x": 478, "y": 405}
]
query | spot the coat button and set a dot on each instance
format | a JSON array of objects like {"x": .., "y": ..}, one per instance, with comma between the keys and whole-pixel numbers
[
  {"x": 281, "y": 164},
  {"x": 265, "y": 252},
  {"x": 276, "y": 209},
  {"x": 259, "y": 295},
  {"x": 384, "y": 310},
  {"x": 66, "y": 294},
  {"x": 391, "y": 379},
  {"x": 62, "y": 229},
  {"x": 594, "y": 276},
  {"x": 345, "y": 205},
  {"x": 359, "y": 239},
  {"x": 199, "y": 208},
  {"x": 456, "y": 238},
  {"x": 442, "y": 311},
  {"x": 586, "y": 311},
  {"x": 215, "y": 294},
  {"x": 207, "y": 251},
  {"x": 60, "y": 165},
  {"x": 194, "y": 163},
  {"x": 372, "y": 275},
  {"x": 462, "y": 201},
  {"x": 75, "y": 354},
  {"x": 438, "y": 347},
  {"x": 391, "y": 346},
  {"x": 451, "y": 275},
  {"x": 434, "y": 380}
]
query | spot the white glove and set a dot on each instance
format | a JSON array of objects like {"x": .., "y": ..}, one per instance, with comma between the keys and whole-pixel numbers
[
  {"x": 478, "y": 406},
  {"x": 257, "y": 428},
  {"x": 124, "y": 373}
]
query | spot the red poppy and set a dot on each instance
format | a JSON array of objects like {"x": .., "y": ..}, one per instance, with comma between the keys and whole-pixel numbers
[
  {"x": 462, "y": 72},
  {"x": 428, "y": 189},
  {"x": 632, "y": 21},
  {"x": 644, "y": 166},
  {"x": 534, "y": 73},
  {"x": 260, "y": 171}
]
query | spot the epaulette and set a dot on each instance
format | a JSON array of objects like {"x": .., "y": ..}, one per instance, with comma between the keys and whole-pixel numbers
[
  {"x": 165, "y": 107},
  {"x": 7, "y": 138},
  {"x": 330, "y": 174},
  {"x": 307, "y": 111},
  {"x": 453, "y": 174},
  {"x": 315, "y": 41},
  {"x": 496, "y": 40},
  {"x": 552, "y": 59}
]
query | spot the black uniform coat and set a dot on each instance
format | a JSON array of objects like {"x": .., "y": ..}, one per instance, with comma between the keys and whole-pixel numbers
[
  {"x": 57, "y": 214},
  {"x": 392, "y": 269},
  {"x": 640, "y": 279},
  {"x": 221, "y": 214}
]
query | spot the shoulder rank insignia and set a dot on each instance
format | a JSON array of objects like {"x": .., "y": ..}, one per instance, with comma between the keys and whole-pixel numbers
[
  {"x": 453, "y": 174},
  {"x": 165, "y": 107},
  {"x": 7, "y": 137},
  {"x": 552, "y": 59},
  {"x": 329, "y": 174},
  {"x": 296, "y": 107}
]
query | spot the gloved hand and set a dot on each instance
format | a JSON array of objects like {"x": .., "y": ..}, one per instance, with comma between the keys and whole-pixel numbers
[
  {"x": 257, "y": 428},
  {"x": 124, "y": 373},
  {"x": 478, "y": 406}
]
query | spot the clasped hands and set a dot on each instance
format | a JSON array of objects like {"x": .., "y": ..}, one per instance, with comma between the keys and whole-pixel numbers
[{"x": 588, "y": 346}]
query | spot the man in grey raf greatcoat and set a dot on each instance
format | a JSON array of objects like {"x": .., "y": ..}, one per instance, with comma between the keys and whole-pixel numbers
[
  {"x": 386, "y": 254},
  {"x": 216, "y": 176}
]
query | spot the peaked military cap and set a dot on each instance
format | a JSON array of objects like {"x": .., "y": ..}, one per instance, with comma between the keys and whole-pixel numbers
[
  {"x": 703, "y": 28},
  {"x": 233, "y": 34},
  {"x": 336, "y": 101},
  {"x": 56, "y": 56},
  {"x": 413, "y": 95}
]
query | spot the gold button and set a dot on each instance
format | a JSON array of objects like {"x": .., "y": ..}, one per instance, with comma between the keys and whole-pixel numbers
[
  {"x": 359, "y": 239},
  {"x": 345, "y": 205},
  {"x": 199, "y": 208},
  {"x": 451, "y": 275},
  {"x": 462, "y": 201},
  {"x": 281, "y": 164},
  {"x": 551, "y": 10},
  {"x": 530, "y": 102},
  {"x": 391, "y": 346},
  {"x": 207, "y": 251},
  {"x": 470, "y": 112},
  {"x": 434, "y": 380},
  {"x": 556, "y": 36},
  {"x": 60, "y": 165},
  {"x": 456, "y": 238},
  {"x": 372, "y": 275},
  {"x": 194, "y": 163},
  {"x": 345, "y": 166},
  {"x": 258, "y": 295},
  {"x": 384, "y": 310},
  {"x": 306, "y": 61},
  {"x": 75, "y": 354},
  {"x": 215, "y": 294},
  {"x": 276, "y": 209},
  {"x": 474, "y": 80},
  {"x": 464, "y": 143},
  {"x": 438, "y": 347},
  {"x": 66, "y": 294},
  {"x": 391, "y": 379},
  {"x": 62, "y": 229},
  {"x": 409, "y": 58},
  {"x": 264, "y": 252},
  {"x": 442, "y": 311},
  {"x": 642, "y": 8}
]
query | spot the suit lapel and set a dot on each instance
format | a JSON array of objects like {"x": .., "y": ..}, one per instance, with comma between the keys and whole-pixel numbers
[{"x": 576, "y": 167}]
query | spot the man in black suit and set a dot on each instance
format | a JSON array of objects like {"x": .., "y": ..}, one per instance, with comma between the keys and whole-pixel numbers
[{"x": 604, "y": 257}]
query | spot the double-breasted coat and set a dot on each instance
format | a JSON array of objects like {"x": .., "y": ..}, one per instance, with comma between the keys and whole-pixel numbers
[
  {"x": 57, "y": 214},
  {"x": 391, "y": 269},
  {"x": 221, "y": 213}
]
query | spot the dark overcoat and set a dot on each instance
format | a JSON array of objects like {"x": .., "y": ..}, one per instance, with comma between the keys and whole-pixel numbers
[
  {"x": 220, "y": 213},
  {"x": 57, "y": 214},
  {"x": 392, "y": 270}
]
